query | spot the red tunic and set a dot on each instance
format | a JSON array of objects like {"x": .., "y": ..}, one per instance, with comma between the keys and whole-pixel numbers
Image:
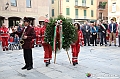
[
  {"x": 37, "y": 32},
  {"x": 4, "y": 35},
  {"x": 43, "y": 33},
  {"x": 4, "y": 31},
  {"x": 46, "y": 46}
]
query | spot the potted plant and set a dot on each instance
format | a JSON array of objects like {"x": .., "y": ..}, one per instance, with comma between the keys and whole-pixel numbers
[{"x": 103, "y": 4}]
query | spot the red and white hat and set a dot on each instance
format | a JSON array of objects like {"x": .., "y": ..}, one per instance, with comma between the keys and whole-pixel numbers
[{"x": 46, "y": 20}]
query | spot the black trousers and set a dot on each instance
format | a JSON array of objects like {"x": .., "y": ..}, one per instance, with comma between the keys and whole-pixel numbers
[
  {"x": 103, "y": 36},
  {"x": 94, "y": 37},
  {"x": 28, "y": 57},
  {"x": 119, "y": 39},
  {"x": 86, "y": 37}
]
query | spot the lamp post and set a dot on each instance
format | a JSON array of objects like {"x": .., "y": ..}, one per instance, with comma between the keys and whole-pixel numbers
[{"x": 7, "y": 5}]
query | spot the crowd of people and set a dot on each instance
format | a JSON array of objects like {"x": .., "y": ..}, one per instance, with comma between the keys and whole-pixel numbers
[
  {"x": 91, "y": 33},
  {"x": 100, "y": 33}
]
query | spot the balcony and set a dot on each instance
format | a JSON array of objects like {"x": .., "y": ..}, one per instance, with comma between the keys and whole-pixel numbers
[
  {"x": 101, "y": 7},
  {"x": 83, "y": 5},
  {"x": 76, "y": 16},
  {"x": 80, "y": 17},
  {"x": 103, "y": 18}
]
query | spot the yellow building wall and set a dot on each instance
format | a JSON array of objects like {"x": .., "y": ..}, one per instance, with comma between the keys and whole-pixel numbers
[{"x": 71, "y": 5}]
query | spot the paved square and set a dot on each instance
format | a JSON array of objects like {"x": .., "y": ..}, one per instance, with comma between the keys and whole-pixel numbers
[{"x": 102, "y": 62}]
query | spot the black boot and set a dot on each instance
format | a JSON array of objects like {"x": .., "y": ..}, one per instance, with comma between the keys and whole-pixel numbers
[
  {"x": 36, "y": 45},
  {"x": 39, "y": 45},
  {"x": 47, "y": 63},
  {"x": 74, "y": 63},
  {"x": 89, "y": 45},
  {"x": 29, "y": 68},
  {"x": 25, "y": 67},
  {"x": 3, "y": 49}
]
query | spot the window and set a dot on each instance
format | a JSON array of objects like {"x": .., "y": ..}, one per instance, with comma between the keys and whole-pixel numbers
[
  {"x": 91, "y": 2},
  {"x": 67, "y": 11},
  {"x": 100, "y": 4},
  {"x": 76, "y": 13},
  {"x": 76, "y": 2},
  {"x": 113, "y": 7},
  {"x": 92, "y": 14},
  {"x": 67, "y": 0},
  {"x": 83, "y": 2},
  {"x": 52, "y": 1},
  {"x": 85, "y": 14},
  {"x": 52, "y": 12},
  {"x": 28, "y": 3},
  {"x": 100, "y": 15},
  {"x": 13, "y": 3}
]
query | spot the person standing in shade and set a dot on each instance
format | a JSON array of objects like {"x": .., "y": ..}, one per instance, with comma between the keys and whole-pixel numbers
[
  {"x": 94, "y": 31},
  {"x": 119, "y": 34},
  {"x": 27, "y": 34},
  {"x": 86, "y": 33},
  {"x": 112, "y": 29}
]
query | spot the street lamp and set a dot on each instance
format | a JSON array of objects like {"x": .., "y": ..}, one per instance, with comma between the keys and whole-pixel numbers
[
  {"x": 46, "y": 15},
  {"x": 7, "y": 4}
]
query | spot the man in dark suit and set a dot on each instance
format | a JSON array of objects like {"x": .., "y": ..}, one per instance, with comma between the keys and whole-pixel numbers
[
  {"x": 103, "y": 31},
  {"x": 27, "y": 34},
  {"x": 86, "y": 33}
]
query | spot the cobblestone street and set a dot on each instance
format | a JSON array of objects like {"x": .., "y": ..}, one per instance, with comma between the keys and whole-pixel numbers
[{"x": 100, "y": 61}]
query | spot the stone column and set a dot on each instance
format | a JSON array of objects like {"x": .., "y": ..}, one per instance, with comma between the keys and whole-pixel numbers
[
  {"x": 21, "y": 21},
  {"x": 6, "y": 21},
  {"x": 36, "y": 21}
]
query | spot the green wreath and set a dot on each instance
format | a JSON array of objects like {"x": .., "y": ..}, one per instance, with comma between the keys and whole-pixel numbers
[{"x": 69, "y": 32}]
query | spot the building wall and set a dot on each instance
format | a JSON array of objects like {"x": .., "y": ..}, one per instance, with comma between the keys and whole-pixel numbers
[
  {"x": 115, "y": 14},
  {"x": 104, "y": 11},
  {"x": 71, "y": 5},
  {"x": 55, "y": 6},
  {"x": 38, "y": 8}
]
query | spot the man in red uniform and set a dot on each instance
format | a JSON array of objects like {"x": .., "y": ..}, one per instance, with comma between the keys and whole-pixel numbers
[
  {"x": 4, "y": 35},
  {"x": 76, "y": 46},
  {"x": 46, "y": 46},
  {"x": 37, "y": 31}
]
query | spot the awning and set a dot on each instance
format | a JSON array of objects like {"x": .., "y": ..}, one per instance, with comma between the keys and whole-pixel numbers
[{"x": 42, "y": 18}]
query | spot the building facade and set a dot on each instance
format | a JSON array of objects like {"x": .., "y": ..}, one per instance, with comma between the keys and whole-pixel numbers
[
  {"x": 114, "y": 10},
  {"x": 13, "y": 11},
  {"x": 102, "y": 10},
  {"x": 78, "y": 10}
]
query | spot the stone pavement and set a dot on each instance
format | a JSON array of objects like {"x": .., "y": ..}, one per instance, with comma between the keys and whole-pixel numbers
[{"x": 102, "y": 62}]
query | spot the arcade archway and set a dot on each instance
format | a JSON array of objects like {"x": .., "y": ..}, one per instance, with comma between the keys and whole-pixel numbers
[
  {"x": 13, "y": 21},
  {"x": 1, "y": 20}
]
